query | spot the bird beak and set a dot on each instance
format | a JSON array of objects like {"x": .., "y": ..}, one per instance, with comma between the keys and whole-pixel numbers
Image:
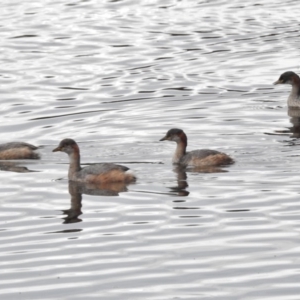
[
  {"x": 277, "y": 82},
  {"x": 163, "y": 139},
  {"x": 57, "y": 149}
]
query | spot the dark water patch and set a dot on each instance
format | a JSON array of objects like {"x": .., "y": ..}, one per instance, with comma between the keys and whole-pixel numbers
[
  {"x": 64, "y": 115},
  {"x": 72, "y": 88},
  {"x": 65, "y": 231},
  {"x": 24, "y": 36},
  {"x": 121, "y": 46}
]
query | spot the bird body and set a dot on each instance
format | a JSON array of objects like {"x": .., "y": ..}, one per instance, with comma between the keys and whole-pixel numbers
[
  {"x": 97, "y": 173},
  {"x": 18, "y": 150},
  {"x": 195, "y": 158}
]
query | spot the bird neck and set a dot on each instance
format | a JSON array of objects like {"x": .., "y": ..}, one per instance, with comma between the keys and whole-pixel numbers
[
  {"x": 294, "y": 97},
  {"x": 180, "y": 149},
  {"x": 296, "y": 87},
  {"x": 74, "y": 158}
]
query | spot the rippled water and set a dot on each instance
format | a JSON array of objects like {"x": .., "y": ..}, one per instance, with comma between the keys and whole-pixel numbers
[{"x": 115, "y": 76}]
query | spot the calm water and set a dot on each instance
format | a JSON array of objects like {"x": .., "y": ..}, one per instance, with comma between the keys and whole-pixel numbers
[{"x": 115, "y": 76}]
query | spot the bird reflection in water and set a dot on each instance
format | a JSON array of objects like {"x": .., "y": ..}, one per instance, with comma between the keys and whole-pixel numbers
[
  {"x": 294, "y": 114},
  {"x": 76, "y": 189},
  {"x": 182, "y": 184},
  {"x": 294, "y": 130},
  {"x": 13, "y": 167}
]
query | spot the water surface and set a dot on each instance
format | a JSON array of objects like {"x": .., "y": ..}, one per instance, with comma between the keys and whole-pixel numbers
[{"x": 115, "y": 76}]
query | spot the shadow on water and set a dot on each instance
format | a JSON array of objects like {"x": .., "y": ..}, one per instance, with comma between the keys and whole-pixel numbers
[
  {"x": 182, "y": 183},
  {"x": 76, "y": 189},
  {"x": 14, "y": 167}
]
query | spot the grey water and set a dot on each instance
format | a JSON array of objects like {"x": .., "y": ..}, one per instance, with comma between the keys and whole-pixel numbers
[{"x": 115, "y": 76}]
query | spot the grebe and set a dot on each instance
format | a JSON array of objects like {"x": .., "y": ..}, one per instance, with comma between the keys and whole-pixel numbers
[
  {"x": 18, "y": 150},
  {"x": 196, "y": 158},
  {"x": 294, "y": 80},
  {"x": 98, "y": 173}
]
